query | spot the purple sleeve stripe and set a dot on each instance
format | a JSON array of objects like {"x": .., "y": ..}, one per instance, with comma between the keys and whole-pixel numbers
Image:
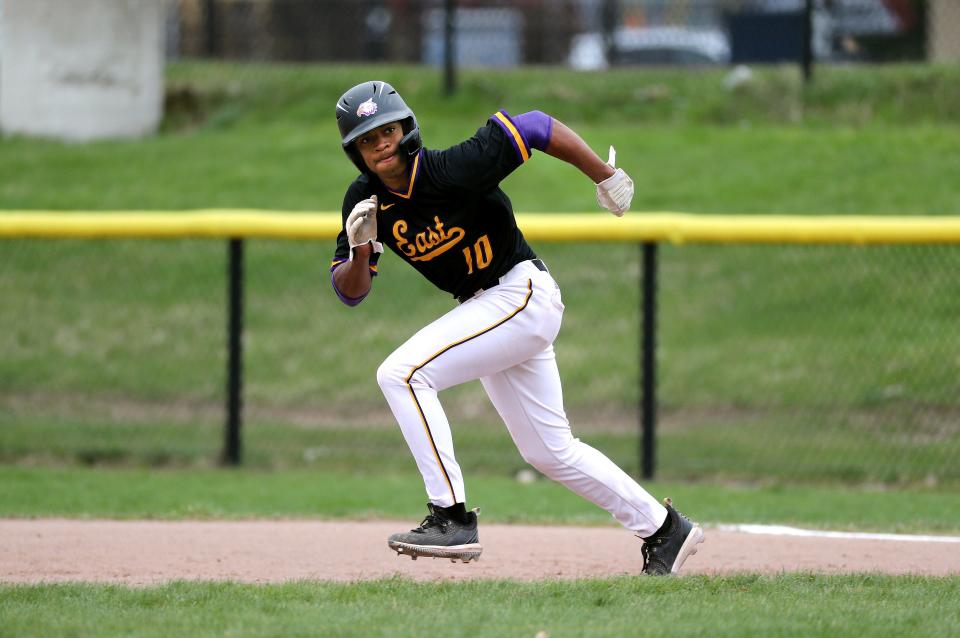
[
  {"x": 350, "y": 301},
  {"x": 513, "y": 134},
  {"x": 536, "y": 127}
]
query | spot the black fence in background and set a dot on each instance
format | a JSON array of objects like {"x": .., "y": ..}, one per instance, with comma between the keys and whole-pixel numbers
[
  {"x": 583, "y": 34},
  {"x": 798, "y": 363},
  {"x": 647, "y": 359}
]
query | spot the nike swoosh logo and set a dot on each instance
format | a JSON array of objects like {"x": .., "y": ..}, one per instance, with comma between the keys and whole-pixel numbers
[{"x": 386, "y": 206}]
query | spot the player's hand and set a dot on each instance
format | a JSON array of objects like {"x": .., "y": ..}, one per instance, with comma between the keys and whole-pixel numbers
[
  {"x": 616, "y": 192},
  {"x": 361, "y": 225}
]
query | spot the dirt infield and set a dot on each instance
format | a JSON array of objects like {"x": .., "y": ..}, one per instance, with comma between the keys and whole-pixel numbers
[{"x": 151, "y": 552}]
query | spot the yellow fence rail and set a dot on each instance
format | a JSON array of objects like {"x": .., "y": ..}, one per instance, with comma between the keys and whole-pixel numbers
[{"x": 671, "y": 227}]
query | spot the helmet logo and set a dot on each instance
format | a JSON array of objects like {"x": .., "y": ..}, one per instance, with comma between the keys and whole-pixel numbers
[{"x": 367, "y": 108}]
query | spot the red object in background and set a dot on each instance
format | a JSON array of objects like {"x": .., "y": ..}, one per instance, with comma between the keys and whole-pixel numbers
[{"x": 905, "y": 12}]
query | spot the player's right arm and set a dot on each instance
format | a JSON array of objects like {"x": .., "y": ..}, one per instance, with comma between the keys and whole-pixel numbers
[
  {"x": 352, "y": 279},
  {"x": 354, "y": 264}
]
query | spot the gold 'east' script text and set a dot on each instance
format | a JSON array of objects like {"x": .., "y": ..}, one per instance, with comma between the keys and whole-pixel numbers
[{"x": 430, "y": 243}]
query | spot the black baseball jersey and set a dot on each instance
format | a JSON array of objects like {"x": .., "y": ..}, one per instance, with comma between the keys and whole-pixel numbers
[{"x": 453, "y": 223}]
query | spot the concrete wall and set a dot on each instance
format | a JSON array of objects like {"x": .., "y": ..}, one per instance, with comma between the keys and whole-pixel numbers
[
  {"x": 81, "y": 69},
  {"x": 944, "y": 30}
]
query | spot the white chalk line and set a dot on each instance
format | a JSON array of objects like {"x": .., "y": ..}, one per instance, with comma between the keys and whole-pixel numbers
[{"x": 782, "y": 530}]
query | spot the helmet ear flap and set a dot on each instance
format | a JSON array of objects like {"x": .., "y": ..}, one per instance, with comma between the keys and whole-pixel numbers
[{"x": 411, "y": 143}]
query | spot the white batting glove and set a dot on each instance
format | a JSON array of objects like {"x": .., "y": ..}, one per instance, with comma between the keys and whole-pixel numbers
[
  {"x": 616, "y": 192},
  {"x": 361, "y": 225}
]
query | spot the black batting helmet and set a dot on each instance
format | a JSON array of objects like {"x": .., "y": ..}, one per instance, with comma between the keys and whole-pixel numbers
[{"x": 369, "y": 105}]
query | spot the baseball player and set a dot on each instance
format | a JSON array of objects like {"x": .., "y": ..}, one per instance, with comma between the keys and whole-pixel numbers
[{"x": 443, "y": 212}]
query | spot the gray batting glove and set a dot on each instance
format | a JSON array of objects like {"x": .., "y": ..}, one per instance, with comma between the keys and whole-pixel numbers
[
  {"x": 616, "y": 192},
  {"x": 361, "y": 225}
]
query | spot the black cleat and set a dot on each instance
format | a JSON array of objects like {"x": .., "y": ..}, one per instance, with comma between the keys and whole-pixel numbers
[
  {"x": 665, "y": 551},
  {"x": 440, "y": 537}
]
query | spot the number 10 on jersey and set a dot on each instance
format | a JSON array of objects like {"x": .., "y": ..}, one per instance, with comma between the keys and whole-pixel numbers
[{"x": 481, "y": 253}]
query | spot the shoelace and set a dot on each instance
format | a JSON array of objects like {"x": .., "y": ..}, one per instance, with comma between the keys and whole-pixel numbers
[
  {"x": 647, "y": 549},
  {"x": 432, "y": 520}
]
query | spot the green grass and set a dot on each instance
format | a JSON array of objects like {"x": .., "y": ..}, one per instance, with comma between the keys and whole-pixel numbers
[
  {"x": 784, "y": 448},
  {"x": 145, "y": 320},
  {"x": 797, "y": 363},
  {"x": 787, "y": 605},
  {"x": 198, "y": 493},
  {"x": 821, "y": 364},
  {"x": 851, "y": 96},
  {"x": 863, "y": 140},
  {"x": 285, "y": 165}
]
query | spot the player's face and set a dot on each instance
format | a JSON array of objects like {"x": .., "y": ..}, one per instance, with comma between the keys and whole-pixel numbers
[{"x": 380, "y": 150}]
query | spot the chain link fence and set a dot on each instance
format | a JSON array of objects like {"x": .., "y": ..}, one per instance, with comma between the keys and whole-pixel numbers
[
  {"x": 805, "y": 361},
  {"x": 777, "y": 363},
  {"x": 583, "y": 34}
]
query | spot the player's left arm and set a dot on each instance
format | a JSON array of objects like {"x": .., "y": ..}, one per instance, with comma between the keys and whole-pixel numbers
[
  {"x": 565, "y": 144},
  {"x": 553, "y": 137},
  {"x": 482, "y": 162},
  {"x": 614, "y": 186}
]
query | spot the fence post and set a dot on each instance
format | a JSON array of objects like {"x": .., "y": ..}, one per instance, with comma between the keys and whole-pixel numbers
[
  {"x": 807, "y": 55},
  {"x": 210, "y": 27},
  {"x": 609, "y": 21},
  {"x": 232, "y": 447},
  {"x": 449, "y": 47},
  {"x": 648, "y": 360}
]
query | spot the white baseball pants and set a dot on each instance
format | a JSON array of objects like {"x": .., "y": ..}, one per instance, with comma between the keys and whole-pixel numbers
[{"x": 504, "y": 337}]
